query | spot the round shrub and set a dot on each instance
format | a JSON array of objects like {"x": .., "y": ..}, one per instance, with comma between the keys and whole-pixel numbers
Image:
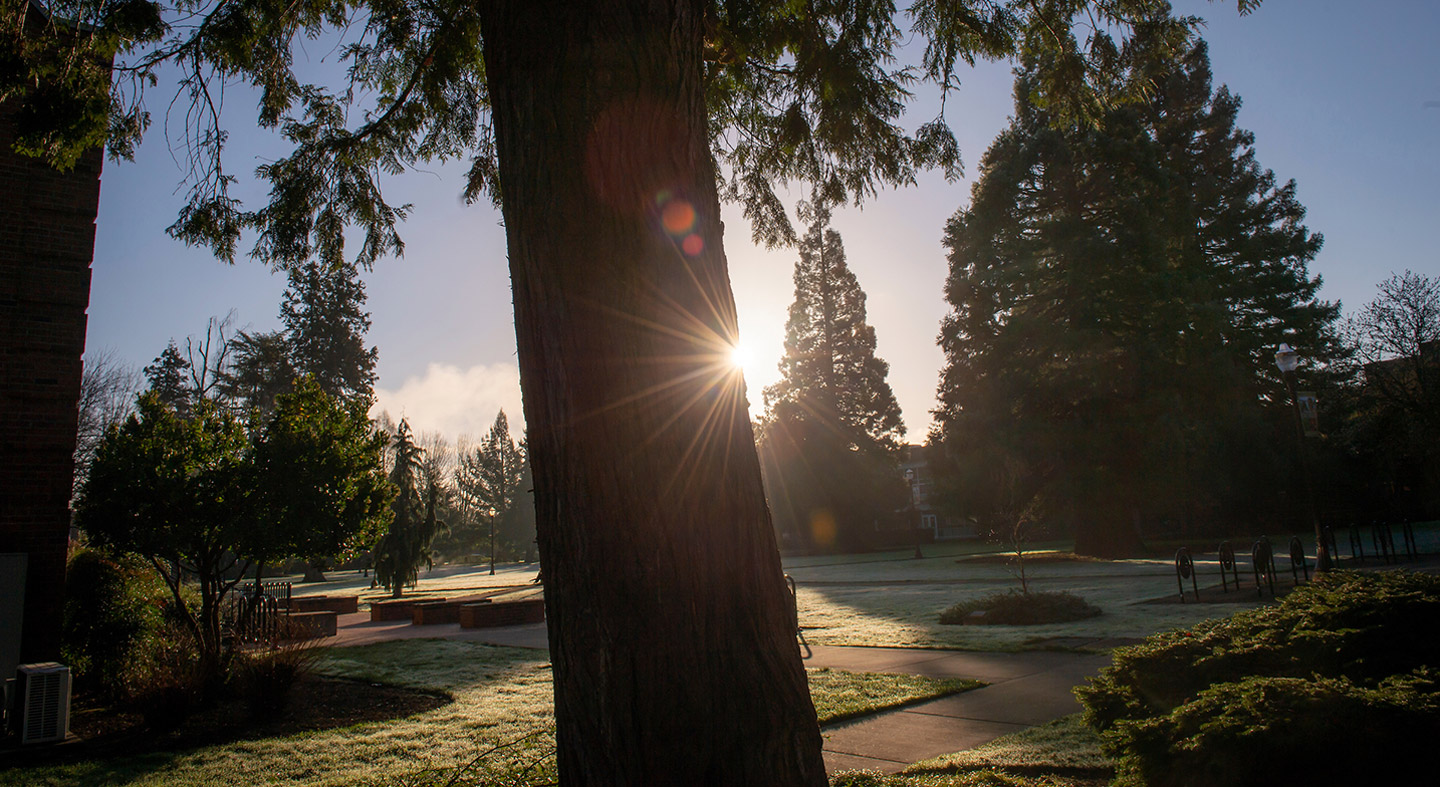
[
  {"x": 1021, "y": 609},
  {"x": 108, "y": 609}
]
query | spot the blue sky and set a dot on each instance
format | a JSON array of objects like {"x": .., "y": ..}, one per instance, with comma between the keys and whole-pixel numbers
[{"x": 1335, "y": 93}]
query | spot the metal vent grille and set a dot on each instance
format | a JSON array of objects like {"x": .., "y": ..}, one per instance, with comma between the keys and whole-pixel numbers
[{"x": 45, "y": 702}]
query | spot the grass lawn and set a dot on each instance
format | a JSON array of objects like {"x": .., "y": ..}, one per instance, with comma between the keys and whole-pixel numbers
[
  {"x": 1062, "y": 753},
  {"x": 500, "y": 695},
  {"x": 882, "y": 612}
]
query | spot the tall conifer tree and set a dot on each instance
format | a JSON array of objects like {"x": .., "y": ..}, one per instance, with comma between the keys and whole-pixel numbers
[
  {"x": 325, "y": 321},
  {"x": 832, "y": 427},
  {"x": 1118, "y": 293}
]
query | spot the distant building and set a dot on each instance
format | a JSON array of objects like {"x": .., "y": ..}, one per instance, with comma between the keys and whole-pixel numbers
[{"x": 923, "y": 510}]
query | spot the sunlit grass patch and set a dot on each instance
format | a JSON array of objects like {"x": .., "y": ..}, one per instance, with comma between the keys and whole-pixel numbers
[
  {"x": 985, "y": 778},
  {"x": 840, "y": 695},
  {"x": 1065, "y": 745}
]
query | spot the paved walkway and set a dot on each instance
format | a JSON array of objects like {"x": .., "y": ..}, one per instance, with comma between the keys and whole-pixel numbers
[{"x": 1025, "y": 689}]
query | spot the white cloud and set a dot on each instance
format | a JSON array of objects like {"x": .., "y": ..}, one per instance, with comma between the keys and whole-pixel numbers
[{"x": 455, "y": 401}]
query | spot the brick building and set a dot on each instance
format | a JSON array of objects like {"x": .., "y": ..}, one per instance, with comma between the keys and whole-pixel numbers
[{"x": 47, "y": 238}]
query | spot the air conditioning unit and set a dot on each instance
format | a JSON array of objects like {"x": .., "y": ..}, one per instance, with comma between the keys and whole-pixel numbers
[{"x": 42, "y": 702}]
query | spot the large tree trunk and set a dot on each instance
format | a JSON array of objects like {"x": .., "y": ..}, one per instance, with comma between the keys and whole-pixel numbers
[{"x": 674, "y": 657}]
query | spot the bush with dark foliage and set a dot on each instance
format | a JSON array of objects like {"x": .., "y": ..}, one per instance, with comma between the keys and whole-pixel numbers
[{"x": 1338, "y": 672}]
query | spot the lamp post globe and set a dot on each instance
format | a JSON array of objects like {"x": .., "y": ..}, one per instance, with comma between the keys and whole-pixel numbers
[{"x": 1286, "y": 359}]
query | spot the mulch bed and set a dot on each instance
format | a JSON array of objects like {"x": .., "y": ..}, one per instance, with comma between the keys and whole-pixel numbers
[{"x": 316, "y": 703}]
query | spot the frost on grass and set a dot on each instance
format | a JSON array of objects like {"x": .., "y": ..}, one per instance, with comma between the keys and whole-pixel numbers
[
  {"x": 1062, "y": 745},
  {"x": 840, "y": 695},
  {"x": 876, "y": 607}
]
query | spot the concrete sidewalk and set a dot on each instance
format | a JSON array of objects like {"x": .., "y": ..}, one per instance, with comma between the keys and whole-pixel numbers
[{"x": 1025, "y": 689}]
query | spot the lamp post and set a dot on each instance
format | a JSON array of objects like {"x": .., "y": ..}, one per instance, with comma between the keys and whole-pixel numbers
[
  {"x": 1286, "y": 360},
  {"x": 912, "y": 516}
]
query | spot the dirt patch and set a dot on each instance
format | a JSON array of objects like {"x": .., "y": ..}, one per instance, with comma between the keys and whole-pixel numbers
[{"x": 317, "y": 703}]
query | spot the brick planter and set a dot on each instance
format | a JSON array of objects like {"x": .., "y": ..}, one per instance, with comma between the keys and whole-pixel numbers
[
  {"x": 502, "y": 613},
  {"x": 394, "y": 609},
  {"x": 309, "y": 625},
  {"x": 447, "y": 610},
  {"x": 343, "y": 605}
]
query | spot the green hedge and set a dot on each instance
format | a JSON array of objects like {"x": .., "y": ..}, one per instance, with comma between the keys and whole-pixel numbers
[{"x": 1334, "y": 681}]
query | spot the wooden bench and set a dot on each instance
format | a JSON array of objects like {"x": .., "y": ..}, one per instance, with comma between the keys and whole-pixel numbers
[
  {"x": 396, "y": 608},
  {"x": 308, "y": 625},
  {"x": 502, "y": 613},
  {"x": 342, "y": 605}
]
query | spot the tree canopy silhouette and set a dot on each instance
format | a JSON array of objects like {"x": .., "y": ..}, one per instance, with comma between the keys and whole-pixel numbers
[
  {"x": 1119, "y": 290},
  {"x": 831, "y": 434}
]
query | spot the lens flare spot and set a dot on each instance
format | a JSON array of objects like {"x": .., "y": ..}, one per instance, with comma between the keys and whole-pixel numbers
[
  {"x": 693, "y": 244},
  {"x": 678, "y": 217},
  {"x": 822, "y": 527}
]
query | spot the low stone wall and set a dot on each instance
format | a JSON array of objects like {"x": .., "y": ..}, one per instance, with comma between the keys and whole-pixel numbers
[
  {"x": 396, "y": 608},
  {"x": 502, "y": 613},
  {"x": 309, "y": 625},
  {"x": 343, "y": 605}
]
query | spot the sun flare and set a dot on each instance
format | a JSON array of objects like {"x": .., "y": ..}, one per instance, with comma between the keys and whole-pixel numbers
[{"x": 741, "y": 358}]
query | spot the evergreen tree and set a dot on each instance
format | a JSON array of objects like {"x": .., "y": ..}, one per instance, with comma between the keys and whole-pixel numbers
[
  {"x": 169, "y": 379},
  {"x": 489, "y": 478},
  {"x": 325, "y": 324},
  {"x": 406, "y": 545},
  {"x": 1118, "y": 293},
  {"x": 260, "y": 369},
  {"x": 832, "y": 427}
]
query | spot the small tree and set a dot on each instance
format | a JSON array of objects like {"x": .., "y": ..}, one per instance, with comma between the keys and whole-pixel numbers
[
  {"x": 320, "y": 489},
  {"x": 174, "y": 491},
  {"x": 205, "y": 498},
  {"x": 406, "y": 545}
]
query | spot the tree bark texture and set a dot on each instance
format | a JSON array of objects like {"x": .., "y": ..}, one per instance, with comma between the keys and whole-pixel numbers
[{"x": 675, "y": 660}]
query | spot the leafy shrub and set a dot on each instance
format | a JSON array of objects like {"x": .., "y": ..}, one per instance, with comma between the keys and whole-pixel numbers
[
  {"x": 1022, "y": 609},
  {"x": 109, "y": 608},
  {"x": 1302, "y": 677}
]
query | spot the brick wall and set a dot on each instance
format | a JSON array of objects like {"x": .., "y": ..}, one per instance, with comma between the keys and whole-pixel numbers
[{"x": 47, "y": 238}]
